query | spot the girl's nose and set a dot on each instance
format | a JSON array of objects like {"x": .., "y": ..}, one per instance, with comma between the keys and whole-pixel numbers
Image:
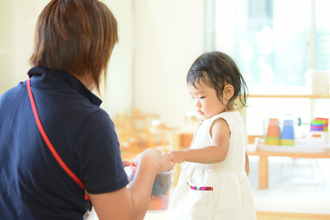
[{"x": 197, "y": 104}]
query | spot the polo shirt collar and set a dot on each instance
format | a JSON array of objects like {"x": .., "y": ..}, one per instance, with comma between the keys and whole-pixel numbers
[{"x": 54, "y": 79}]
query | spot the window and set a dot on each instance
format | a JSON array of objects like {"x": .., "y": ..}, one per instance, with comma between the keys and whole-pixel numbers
[
  {"x": 274, "y": 43},
  {"x": 322, "y": 34}
]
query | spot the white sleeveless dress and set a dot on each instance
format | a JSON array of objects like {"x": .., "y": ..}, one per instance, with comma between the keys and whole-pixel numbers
[{"x": 231, "y": 198}]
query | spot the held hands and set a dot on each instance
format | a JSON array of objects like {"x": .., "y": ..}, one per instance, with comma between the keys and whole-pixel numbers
[
  {"x": 127, "y": 163},
  {"x": 156, "y": 159},
  {"x": 176, "y": 156}
]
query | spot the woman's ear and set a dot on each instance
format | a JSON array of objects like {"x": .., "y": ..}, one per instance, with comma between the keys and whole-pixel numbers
[{"x": 228, "y": 92}]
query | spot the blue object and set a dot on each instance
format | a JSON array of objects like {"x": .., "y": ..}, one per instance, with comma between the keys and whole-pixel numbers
[
  {"x": 287, "y": 132},
  {"x": 299, "y": 121}
]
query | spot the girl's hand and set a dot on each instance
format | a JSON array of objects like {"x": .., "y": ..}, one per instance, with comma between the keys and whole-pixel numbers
[
  {"x": 127, "y": 163},
  {"x": 176, "y": 156},
  {"x": 156, "y": 160}
]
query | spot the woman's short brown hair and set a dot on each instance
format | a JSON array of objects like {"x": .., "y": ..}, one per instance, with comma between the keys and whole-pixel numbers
[{"x": 76, "y": 36}]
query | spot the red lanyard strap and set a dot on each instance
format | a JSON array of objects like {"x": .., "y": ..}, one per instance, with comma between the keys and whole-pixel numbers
[{"x": 49, "y": 144}]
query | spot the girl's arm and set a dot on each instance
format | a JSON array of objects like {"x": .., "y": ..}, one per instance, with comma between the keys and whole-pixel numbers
[
  {"x": 247, "y": 164},
  {"x": 215, "y": 153}
]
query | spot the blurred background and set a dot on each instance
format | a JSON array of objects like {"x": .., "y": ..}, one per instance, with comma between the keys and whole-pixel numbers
[
  {"x": 275, "y": 43},
  {"x": 158, "y": 41}
]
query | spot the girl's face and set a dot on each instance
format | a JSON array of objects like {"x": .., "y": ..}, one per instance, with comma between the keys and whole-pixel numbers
[{"x": 206, "y": 101}]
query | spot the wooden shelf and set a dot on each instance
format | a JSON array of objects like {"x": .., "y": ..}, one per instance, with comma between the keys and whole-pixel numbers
[{"x": 303, "y": 96}]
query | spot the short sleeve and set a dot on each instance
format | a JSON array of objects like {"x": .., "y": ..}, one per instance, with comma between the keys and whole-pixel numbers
[{"x": 97, "y": 148}]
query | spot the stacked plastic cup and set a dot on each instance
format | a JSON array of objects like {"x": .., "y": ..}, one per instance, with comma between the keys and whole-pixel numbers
[
  {"x": 317, "y": 125},
  {"x": 287, "y": 136},
  {"x": 160, "y": 195},
  {"x": 317, "y": 136},
  {"x": 326, "y": 121},
  {"x": 273, "y": 132}
]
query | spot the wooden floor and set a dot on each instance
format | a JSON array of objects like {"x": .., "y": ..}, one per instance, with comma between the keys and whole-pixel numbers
[
  {"x": 306, "y": 192},
  {"x": 304, "y": 197},
  {"x": 289, "y": 216}
]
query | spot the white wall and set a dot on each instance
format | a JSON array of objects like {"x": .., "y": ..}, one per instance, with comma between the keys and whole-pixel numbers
[
  {"x": 169, "y": 37},
  {"x": 118, "y": 97},
  {"x": 17, "y": 21},
  {"x": 158, "y": 41},
  {"x": 7, "y": 46},
  {"x": 17, "y": 25}
]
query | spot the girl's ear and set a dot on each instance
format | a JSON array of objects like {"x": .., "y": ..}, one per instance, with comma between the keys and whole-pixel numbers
[{"x": 228, "y": 91}]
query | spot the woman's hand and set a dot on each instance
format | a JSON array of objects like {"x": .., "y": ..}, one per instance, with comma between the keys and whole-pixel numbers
[
  {"x": 156, "y": 158},
  {"x": 127, "y": 163},
  {"x": 176, "y": 156},
  {"x": 132, "y": 202}
]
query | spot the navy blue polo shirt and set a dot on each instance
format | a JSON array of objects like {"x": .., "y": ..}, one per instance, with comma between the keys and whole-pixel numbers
[{"x": 32, "y": 183}]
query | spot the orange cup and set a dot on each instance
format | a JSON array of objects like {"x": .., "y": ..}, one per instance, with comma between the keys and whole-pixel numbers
[{"x": 273, "y": 128}]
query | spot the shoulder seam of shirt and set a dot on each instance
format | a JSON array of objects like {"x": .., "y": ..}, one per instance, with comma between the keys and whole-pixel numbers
[
  {"x": 83, "y": 125},
  {"x": 19, "y": 92}
]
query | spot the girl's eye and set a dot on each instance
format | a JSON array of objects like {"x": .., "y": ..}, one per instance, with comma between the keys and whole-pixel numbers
[{"x": 202, "y": 97}]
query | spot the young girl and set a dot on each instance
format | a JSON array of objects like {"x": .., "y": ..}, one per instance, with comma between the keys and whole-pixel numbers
[{"x": 213, "y": 183}]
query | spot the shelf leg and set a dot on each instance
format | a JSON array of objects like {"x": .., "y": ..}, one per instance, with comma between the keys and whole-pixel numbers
[
  {"x": 175, "y": 143},
  {"x": 263, "y": 172}
]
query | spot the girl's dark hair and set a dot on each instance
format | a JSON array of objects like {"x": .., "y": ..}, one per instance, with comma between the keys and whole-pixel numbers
[{"x": 216, "y": 69}]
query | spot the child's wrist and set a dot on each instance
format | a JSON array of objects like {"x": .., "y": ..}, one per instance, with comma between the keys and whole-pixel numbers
[{"x": 185, "y": 155}]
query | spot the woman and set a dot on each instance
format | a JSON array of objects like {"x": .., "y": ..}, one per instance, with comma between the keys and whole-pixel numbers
[{"x": 73, "y": 44}]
